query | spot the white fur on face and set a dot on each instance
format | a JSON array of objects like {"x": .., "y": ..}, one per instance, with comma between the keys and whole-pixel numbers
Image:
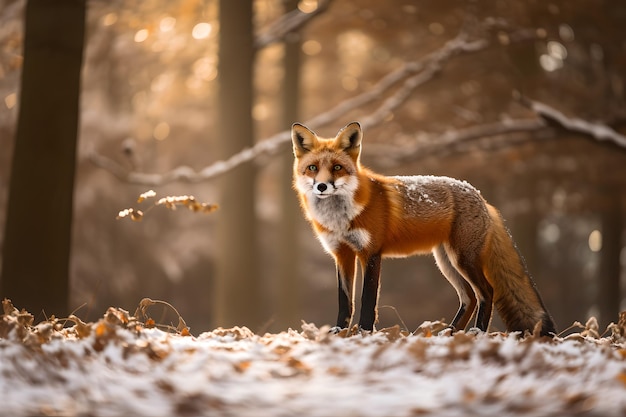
[
  {"x": 338, "y": 209},
  {"x": 335, "y": 212},
  {"x": 304, "y": 184}
]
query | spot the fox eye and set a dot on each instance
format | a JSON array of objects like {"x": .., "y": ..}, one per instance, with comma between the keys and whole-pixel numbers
[
  {"x": 312, "y": 168},
  {"x": 337, "y": 167}
]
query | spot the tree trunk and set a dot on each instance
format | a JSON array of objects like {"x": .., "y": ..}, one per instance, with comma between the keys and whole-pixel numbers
[
  {"x": 237, "y": 297},
  {"x": 609, "y": 294},
  {"x": 288, "y": 311},
  {"x": 35, "y": 258}
]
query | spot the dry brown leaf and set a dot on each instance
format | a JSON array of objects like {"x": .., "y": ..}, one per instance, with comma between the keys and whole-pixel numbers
[
  {"x": 618, "y": 331},
  {"x": 182, "y": 325},
  {"x": 394, "y": 333},
  {"x": 428, "y": 328},
  {"x": 418, "y": 348},
  {"x": 101, "y": 329},
  {"x": 116, "y": 316},
  {"x": 299, "y": 366},
  {"x": 242, "y": 366},
  {"x": 337, "y": 371},
  {"x": 165, "y": 386},
  {"x": 239, "y": 333},
  {"x": 591, "y": 329},
  {"x": 281, "y": 349},
  {"x": 82, "y": 330},
  {"x": 7, "y": 307},
  {"x": 309, "y": 330},
  {"x": 156, "y": 353}
]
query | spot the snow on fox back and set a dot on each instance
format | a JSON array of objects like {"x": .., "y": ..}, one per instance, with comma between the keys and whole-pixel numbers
[{"x": 422, "y": 191}]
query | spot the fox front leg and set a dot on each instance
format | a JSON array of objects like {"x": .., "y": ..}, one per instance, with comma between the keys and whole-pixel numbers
[
  {"x": 345, "y": 259},
  {"x": 369, "y": 298}
]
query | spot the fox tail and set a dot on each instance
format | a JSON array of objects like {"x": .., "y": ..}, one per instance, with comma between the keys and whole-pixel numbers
[{"x": 515, "y": 296}]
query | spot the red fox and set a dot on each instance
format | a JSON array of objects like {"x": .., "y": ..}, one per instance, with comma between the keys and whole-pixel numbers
[{"x": 359, "y": 214}]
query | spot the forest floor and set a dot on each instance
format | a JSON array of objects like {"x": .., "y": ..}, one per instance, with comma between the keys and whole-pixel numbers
[{"x": 119, "y": 365}]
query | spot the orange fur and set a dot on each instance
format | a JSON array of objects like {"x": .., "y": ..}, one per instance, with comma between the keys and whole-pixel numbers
[{"x": 358, "y": 214}]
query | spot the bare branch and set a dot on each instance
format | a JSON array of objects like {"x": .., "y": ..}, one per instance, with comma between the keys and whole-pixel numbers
[
  {"x": 427, "y": 144},
  {"x": 598, "y": 131},
  {"x": 288, "y": 23},
  {"x": 425, "y": 69}
]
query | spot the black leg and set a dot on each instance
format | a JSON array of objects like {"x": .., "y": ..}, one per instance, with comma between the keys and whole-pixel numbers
[
  {"x": 459, "y": 315},
  {"x": 466, "y": 309},
  {"x": 345, "y": 260},
  {"x": 482, "y": 289},
  {"x": 369, "y": 298},
  {"x": 467, "y": 298},
  {"x": 344, "y": 317},
  {"x": 483, "y": 316}
]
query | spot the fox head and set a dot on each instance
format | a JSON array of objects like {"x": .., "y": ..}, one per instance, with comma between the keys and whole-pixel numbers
[{"x": 326, "y": 167}]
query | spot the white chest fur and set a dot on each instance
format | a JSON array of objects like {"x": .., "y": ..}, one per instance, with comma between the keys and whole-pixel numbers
[{"x": 336, "y": 214}]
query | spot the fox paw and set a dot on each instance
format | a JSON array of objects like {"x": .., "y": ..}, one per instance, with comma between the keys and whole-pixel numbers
[
  {"x": 448, "y": 331},
  {"x": 346, "y": 332},
  {"x": 475, "y": 331},
  {"x": 361, "y": 330}
]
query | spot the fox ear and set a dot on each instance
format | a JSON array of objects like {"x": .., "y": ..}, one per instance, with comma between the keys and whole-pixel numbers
[
  {"x": 349, "y": 139},
  {"x": 303, "y": 139}
]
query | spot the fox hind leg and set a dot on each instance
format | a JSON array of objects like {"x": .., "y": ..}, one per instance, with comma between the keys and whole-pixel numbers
[
  {"x": 470, "y": 268},
  {"x": 467, "y": 299}
]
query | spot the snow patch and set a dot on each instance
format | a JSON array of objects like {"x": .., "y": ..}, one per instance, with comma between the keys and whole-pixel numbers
[{"x": 311, "y": 373}]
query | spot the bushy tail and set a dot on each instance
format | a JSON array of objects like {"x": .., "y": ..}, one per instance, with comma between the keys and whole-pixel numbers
[{"x": 515, "y": 296}]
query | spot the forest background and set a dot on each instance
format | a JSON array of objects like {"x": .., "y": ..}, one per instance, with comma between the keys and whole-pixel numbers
[{"x": 525, "y": 100}]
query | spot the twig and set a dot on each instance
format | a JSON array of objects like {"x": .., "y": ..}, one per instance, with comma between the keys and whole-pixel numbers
[
  {"x": 575, "y": 325},
  {"x": 395, "y": 310},
  {"x": 182, "y": 327}
]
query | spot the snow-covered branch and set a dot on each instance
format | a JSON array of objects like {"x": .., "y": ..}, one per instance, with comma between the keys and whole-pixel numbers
[
  {"x": 426, "y": 144},
  {"x": 414, "y": 74},
  {"x": 410, "y": 77},
  {"x": 596, "y": 130}
]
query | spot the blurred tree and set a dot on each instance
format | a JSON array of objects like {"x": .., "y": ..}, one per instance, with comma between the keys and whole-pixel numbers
[
  {"x": 609, "y": 295},
  {"x": 36, "y": 252},
  {"x": 288, "y": 311},
  {"x": 237, "y": 298}
]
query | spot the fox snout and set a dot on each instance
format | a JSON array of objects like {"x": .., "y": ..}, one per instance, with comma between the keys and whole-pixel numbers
[{"x": 320, "y": 188}]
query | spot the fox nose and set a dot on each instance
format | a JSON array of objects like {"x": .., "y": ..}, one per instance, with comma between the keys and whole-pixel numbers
[{"x": 321, "y": 187}]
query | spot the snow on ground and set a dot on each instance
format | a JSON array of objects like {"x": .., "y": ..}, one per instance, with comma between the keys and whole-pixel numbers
[{"x": 118, "y": 367}]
